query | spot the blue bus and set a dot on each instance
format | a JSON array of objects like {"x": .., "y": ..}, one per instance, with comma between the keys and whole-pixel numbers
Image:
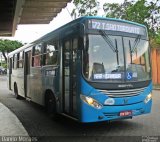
[{"x": 92, "y": 69}]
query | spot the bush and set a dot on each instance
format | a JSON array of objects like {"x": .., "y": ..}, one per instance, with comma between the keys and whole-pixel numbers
[{"x": 4, "y": 65}]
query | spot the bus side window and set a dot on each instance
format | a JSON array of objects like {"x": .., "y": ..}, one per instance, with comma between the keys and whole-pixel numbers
[
  {"x": 15, "y": 61},
  {"x": 37, "y": 55},
  {"x": 50, "y": 55},
  {"x": 8, "y": 61},
  {"x": 20, "y": 60}
]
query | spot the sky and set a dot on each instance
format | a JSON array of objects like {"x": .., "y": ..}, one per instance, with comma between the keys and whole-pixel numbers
[{"x": 29, "y": 33}]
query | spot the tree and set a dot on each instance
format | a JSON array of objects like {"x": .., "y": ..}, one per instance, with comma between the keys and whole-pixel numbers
[
  {"x": 138, "y": 12},
  {"x": 129, "y": 10},
  {"x": 85, "y": 8},
  {"x": 155, "y": 42},
  {"x": 7, "y": 46},
  {"x": 158, "y": 39},
  {"x": 116, "y": 10},
  {"x": 154, "y": 20}
]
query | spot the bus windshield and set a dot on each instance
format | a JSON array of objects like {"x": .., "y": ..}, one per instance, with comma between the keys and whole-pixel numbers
[{"x": 112, "y": 58}]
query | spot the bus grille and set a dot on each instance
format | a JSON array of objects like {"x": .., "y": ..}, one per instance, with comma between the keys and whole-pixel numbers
[{"x": 123, "y": 93}]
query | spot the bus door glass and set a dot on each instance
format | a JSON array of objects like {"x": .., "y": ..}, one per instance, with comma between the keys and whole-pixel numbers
[
  {"x": 70, "y": 76},
  {"x": 74, "y": 74}
]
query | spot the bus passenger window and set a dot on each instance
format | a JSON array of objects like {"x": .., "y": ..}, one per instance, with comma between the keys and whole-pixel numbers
[
  {"x": 15, "y": 61},
  {"x": 37, "y": 55},
  {"x": 51, "y": 53},
  {"x": 20, "y": 57}
]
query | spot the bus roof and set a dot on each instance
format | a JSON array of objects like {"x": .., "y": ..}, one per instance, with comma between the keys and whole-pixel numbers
[{"x": 112, "y": 19}]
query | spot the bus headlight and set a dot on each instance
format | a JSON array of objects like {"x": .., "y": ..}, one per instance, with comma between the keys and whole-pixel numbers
[
  {"x": 148, "y": 98},
  {"x": 90, "y": 101}
]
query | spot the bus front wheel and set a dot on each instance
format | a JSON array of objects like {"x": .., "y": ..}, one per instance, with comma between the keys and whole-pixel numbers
[{"x": 51, "y": 104}]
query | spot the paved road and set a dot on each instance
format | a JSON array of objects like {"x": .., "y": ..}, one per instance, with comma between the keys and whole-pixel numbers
[{"x": 38, "y": 123}]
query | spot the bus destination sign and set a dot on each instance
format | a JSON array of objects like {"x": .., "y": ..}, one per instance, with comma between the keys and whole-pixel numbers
[{"x": 116, "y": 26}]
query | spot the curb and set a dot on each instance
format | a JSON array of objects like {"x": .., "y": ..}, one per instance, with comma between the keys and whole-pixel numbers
[{"x": 10, "y": 124}]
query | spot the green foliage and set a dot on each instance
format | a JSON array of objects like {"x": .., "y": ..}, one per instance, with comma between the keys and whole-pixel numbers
[
  {"x": 138, "y": 12},
  {"x": 4, "y": 65},
  {"x": 7, "y": 46},
  {"x": 116, "y": 10},
  {"x": 155, "y": 41},
  {"x": 158, "y": 39},
  {"x": 129, "y": 10},
  {"x": 85, "y": 8}
]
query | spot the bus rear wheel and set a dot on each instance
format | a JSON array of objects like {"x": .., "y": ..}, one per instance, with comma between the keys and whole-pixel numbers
[
  {"x": 51, "y": 105},
  {"x": 16, "y": 91}
]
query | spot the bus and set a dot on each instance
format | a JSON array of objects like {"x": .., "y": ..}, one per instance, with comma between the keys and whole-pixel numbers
[{"x": 92, "y": 69}]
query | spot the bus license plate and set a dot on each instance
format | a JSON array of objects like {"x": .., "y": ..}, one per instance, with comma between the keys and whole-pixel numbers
[{"x": 125, "y": 113}]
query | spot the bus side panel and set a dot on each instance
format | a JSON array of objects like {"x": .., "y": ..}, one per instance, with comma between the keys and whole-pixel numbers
[
  {"x": 12, "y": 82},
  {"x": 35, "y": 87},
  {"x": 40, "y": 80},
  {"x": 50, "y": 80},
  {"x": 17, "y": 78}
]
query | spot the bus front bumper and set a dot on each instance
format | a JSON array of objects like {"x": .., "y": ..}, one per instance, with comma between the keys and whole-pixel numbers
[{"x": 106, "y": 113}]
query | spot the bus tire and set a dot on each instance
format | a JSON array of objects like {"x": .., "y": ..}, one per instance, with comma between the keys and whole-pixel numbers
[
  {"x": 50, "y": 104},
  {"x": 16, "y": 91}
]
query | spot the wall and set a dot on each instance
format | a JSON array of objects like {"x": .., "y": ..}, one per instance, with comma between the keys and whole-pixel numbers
[{"x": 155, "y": 59}]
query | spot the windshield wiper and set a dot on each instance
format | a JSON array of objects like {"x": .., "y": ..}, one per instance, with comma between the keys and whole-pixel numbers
[
  {"x": 110, "y": 43},
  {"x": 117, "y": 52},
  {"x": 136, "y": 42},
  {"x": 108, "y": 40},
  {"x": 130, "y": 49}
]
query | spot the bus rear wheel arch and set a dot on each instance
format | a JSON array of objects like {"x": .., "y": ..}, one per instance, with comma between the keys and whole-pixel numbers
[{"x": 50, "y": 103}]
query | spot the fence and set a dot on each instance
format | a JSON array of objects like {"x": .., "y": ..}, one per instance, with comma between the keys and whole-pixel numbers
[{"x": 155, "y": 59}]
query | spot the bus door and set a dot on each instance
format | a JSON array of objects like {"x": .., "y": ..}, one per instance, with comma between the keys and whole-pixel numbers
[
  {"x": 27, "y": 72},
  {"x": 69, "y": 77}
]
